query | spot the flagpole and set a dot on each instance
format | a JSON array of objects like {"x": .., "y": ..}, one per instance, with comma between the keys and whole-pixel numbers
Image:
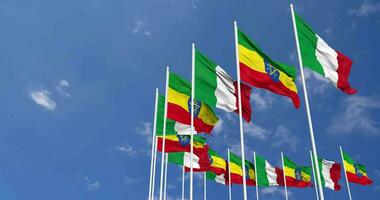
[
  {"x": 166, "y": 174},
  {"x": 240, "y": 111},
  {"x": 315, "y": 180},
  {"x": 164, "y": 132},
  {"x": 307, "y": 104},
  {"x": 154, "y": 167},
  {"x": 153, "y": 145},
  {"x": 192, "y": 117},
  {"x": 283, "y": 173},
  {"x": 345, "y": 174},
  {"x": 183, "y": 183},
  {"x": 257, "y": 184},
  {"x": 205, "y": 186},
  {"x": 229, "y": 175}
]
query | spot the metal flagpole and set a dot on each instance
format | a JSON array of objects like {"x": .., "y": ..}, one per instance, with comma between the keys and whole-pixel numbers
[
  {"x": 315, "y": 180},
  {"x": 153, "y": 145},
  {"x": 345, "y": 174},
  {"x": 229, "y": 176},
  {"x": 240, "y": 110},
  {"x": 314, "y": 148},
  {"x": 154, "y": 167},
  {"x": 166, "y": 174},
  {"x": 283, "y": 172},
  {"x": 257, "y": 183},
  {"x": 183, "y": 183},
  {"x": 164, "y": 132},
  {"x": 204, "y": 186},
  {"x": 192, "y": 117}
]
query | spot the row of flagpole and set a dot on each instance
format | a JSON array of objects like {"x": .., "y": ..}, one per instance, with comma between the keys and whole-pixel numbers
[{"x": 314, "y": 155}]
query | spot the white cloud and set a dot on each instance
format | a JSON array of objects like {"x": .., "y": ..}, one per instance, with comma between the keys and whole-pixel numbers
[
  {"x": 328, "y": 32},
  {"x": 141, "y": 27},
  {"x": 365, "y": 9},
  {"x": 262, "y": 101},
  {"x": 316, "y": 83},
  {"x": 126, "y": 149},
  {"x": 219, "y": 126},
  {"x": 41, "y": 97},
  {"x": 283, "y": 137},
  {"x": 356, "y": 115},
  {"x": 274, "y": 190},
  {"x": 255, "y": 131},
  {"x": 60, "y": 87},
  {"x": 91, "y": 185},
  {"x": 145, "y": 129},
  {"x": 130, "y": 180}
]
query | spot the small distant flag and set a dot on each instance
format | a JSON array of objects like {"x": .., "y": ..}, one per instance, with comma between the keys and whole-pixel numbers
[
  {"x": 318, "y": 56},
  {"x": 295, "y": 175},
  {"x": 356, "y": 173},
  {"x": 330, "y": 174},
  {"x": 217, "y": 164},
  {"x": 180, "y": 143},
  {"x": 200, "y": 159},
  {"x": 222, "y": 178},
  {"x": 237, "y": 171},
  {"x": 267, "y": 175}
]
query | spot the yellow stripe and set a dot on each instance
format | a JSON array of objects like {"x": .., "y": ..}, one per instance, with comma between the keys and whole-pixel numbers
[
  {"x": 218, "y": 162},
  {"x": 207, "y": 115},
  {"x": 254, "y": 61},
  {"x": 350, "y": 168},
  {"x": 290, "y": 173},
  {"x": 236, "y": 169},
  {"x": 251, "y": 173},
  {"x": 178, "y": 98}
]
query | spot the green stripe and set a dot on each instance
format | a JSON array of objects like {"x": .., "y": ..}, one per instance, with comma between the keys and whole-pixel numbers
[
  {"x": 249, "y": 44},
  {"x": 176, "y": 158},
  {"x": 348, "y": 158},
  {"x": 291, "y": 164},
  {"x": 308, "y": 44},
  {"x": 160, "y": 119},
  {"x": 235, "y": 159},
  {"x": 320, "y": 165},
  {"x": 179, "y": 84},
  {"x": 261, "y": 173},
  {"x": 210, "y": 175},
  {"x": 205, "y": 79}
]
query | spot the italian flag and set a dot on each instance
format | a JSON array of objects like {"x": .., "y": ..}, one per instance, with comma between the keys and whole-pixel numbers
[
  {"x": 200, "y": 159},
  {"x": 222, "y": 178},
  {"x": 321, "y": 58},
  {"x": 217, "y": 164},
  {"x": 216, "y": 88},
  {"x": 330, "y": 172},
  {"x": 267, "y": 175}
]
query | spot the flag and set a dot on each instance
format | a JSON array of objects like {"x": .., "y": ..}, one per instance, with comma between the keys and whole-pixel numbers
[
  {"x": 180, "y": 143},
  {"x": 330, "y": 174},
  {"x": 237, "y": 171},
  {"x": 172, "y": 127},
  {"x": 222, "y": 178},
  {"x": 216, "y": 88},
  {"x": 295, "y": 175},
  {"x": 356, "y": 173},
  {"x": 267, "y": 175},
  {"x": 200, "y": 159},
  {"x": 259, "y": 70},
  {"x": 217, "y": 164},
  {"x": 318, "y": 56},
  {"x": 179, "y": 105}
]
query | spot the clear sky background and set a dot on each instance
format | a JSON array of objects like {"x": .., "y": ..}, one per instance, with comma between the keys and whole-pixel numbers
[{"x": 77, "y": 86}]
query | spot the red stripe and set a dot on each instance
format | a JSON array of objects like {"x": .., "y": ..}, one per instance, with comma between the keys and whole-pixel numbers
[
  {"x": 344, "y": 68},
  {"x": 177, "y": 113},
  {"x": 262, "y": 80},
  {"x": 172, "y": 146},
  {"x": 363, "y": 180},
  {"x": 245, "y": 100},
  {"x": 237, "y": 179},
  {"x": 280, "y": 176},
  {"x": 292, "y": 182},
  {"x": 204, "y": 162},
  {"x": 335, "y": 175}
]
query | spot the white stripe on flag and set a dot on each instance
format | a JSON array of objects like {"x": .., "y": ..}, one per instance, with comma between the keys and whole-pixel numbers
[
  {"x": 225, "y": 90},
  {"x": 271, "y": 174},
  {"x": 328, "y": 58}
]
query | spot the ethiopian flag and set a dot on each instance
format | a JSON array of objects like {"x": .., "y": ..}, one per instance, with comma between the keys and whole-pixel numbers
[
  {"x": 295, "y": 175},
  {"x": 179, "y": 105},
  {"x": 318, "y": 56},
  {"x": 267, "y": 175},
  {"x": 180, "y": 143},
  {"x": 237, "y": 171},
  {"x": 259, "y": 70},
  {"x": 356, "y": 173},
  {"x": 200, "y": 159},
  {"x": 222, "y": 178},
  {"x": 172, "y": 127},
  {"x": 216, "y": 88}
]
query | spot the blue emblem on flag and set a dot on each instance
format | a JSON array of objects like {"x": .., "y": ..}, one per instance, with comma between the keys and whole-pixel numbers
[
  {"x": 298, "y": 174},
  {"x": 210, "y": 158},
  {"x": 197, "y": 106},
  {"x": 273, "y": 73},
  {"x": 184, "y": 140},
  {"x": 358, "y": 172}
]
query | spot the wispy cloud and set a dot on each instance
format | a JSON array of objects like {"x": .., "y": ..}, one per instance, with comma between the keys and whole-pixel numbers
[
  {"x": 140, "y": 27},
  {"x": 255, "y": 131},
  {"x": 145, "y": 129},
  {"x": 275, "y": 190},
  {"x": 41, "y": 97},
  {"x": 356, "y": 115},
  {"x": 126, "y": 149},
  {"x": 316, "y": 83},
  {"x": 91, "y": 185},
  {"x": 219, "y": 126},
  {"x": 261, "y": 100},
  {"x": 61, "y": 86},
  {"x": 365, "y": 9},
  {"x": 130, "y": 180},
  {"x": 283, "y": 137}
]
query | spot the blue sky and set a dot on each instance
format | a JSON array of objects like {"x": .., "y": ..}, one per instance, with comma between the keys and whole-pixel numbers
[{"x": 78, "y": 78}]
